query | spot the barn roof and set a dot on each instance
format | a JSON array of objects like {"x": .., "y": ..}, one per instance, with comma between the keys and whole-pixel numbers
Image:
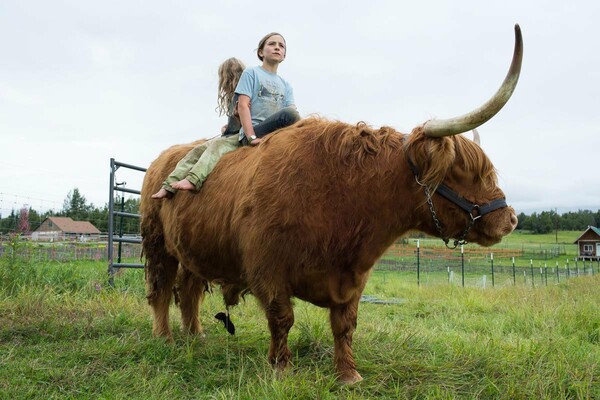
[
  {"x": 67, "y": 225},
  {"x": 593, "y": 229}
]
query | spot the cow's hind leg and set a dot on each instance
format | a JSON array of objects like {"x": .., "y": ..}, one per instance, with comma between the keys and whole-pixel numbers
[
  {"x": 343, "y": 325},
  {"x": 190, "y": 293}
]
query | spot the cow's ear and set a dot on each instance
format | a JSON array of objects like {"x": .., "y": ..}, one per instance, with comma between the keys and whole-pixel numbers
[
  {"x": 433, "y": 157},
  {"x": 441, "y": 153}
]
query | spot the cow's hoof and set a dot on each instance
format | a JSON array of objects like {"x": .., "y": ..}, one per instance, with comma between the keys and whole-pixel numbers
[
  {"x": 194, "y": 332},
  {"x": 350, "y": 378},
  {"x": 168, "y": 339},
  {"x": 194, "y": 335},
  {"x": 166, "y": 335}
]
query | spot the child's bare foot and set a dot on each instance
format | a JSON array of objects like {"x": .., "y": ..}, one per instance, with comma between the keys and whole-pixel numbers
[
  {"x": 161, "y": 194},
  {"x": 183, "y": 184}
]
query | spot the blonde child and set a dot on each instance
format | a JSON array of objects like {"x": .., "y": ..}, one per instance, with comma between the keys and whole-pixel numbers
[
  {"x": 264, "y": 102},
  {"x": 194, "y": 168}
]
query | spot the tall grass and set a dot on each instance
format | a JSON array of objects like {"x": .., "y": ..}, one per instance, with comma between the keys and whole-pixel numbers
[{"x": 65, "y": 334}]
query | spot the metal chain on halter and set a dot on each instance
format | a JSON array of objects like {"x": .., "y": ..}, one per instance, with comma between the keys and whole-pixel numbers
[{"x": 438, "y": 224}]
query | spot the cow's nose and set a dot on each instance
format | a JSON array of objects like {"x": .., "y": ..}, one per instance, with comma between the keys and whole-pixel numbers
[{"x": 514, "y": 220}]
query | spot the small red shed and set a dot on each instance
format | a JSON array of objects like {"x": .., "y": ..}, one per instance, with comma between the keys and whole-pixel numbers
[{"x": 588, "y": 244}]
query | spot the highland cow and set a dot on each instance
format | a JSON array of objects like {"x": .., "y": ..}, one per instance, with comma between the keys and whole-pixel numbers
[{"x": 307, "y": 213}]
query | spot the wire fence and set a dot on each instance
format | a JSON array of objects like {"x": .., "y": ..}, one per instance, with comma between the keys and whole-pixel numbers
[
  {"x": 66, "y": 251},
  {"x": 485, "y": 267},
  {"x": 473, "y": 266}
]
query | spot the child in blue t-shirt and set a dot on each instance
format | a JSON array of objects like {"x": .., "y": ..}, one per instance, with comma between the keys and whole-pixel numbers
[
  {"x": 265, "y": 103},
  {"x": 266, "y": 100}
]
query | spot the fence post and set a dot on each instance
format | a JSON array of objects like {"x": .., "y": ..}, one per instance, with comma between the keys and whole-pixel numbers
[
  {"x": 557, "y": 274},
  {"x": 546, "y": 273},
  {"x": 514, "y": 272},
  {"x": 462, "y": 262},
  {"x": 568, "y": 270},
  {"x": 120, "y": 245},
  {"x": 111, "y": 202},
  {"x": 532, "y": 278},
  {"x": 492, "y": 261},
  {"x": 418, "y": 265}
]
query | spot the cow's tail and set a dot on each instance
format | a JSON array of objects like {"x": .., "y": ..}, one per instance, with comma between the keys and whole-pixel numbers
[{"x": 157, "y": 259}]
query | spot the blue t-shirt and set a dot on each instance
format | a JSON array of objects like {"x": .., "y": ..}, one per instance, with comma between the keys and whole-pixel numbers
[{"x": 268, "y": 93}]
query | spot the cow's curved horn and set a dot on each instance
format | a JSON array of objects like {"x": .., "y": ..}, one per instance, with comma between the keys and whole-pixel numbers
[{"x": 464, "y": 123}]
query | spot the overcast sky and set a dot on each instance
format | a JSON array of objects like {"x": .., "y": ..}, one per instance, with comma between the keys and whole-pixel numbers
[{"x": 84, "y": 81}]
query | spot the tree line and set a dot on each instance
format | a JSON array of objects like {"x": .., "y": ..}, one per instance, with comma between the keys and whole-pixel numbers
[
  {"x": 76, "y": 207},
  {"x": 550, "y": 221}
]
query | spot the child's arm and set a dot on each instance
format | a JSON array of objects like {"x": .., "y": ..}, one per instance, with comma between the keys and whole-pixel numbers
[{"x": 246, "y": 119}]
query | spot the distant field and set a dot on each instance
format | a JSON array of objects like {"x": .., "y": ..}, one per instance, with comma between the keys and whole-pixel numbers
[
  {"x": 562, "y": 237},
  {"x": 519, "y": 238}
]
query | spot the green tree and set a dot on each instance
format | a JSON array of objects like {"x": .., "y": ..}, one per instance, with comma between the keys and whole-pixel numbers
[
  {"x": 545, "y": 222},
  {"x": 522, "y": 220},
  {"x": 130, "y": 205},
  {"x": 9, "y": 223},
  {"x": 75, "y": 206}
]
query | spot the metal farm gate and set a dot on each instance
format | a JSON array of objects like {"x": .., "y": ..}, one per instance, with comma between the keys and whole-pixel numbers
[{"x": 117, "y": 237}]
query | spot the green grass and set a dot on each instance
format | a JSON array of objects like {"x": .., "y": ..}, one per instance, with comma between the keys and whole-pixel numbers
[
  {"x": 519, "y": 237},
  {"x": 65, "y": 334},
  {"x": 522, "y": 237}
]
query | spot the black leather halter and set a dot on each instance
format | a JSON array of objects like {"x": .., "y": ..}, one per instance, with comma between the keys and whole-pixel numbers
[{"x": 475, "y": 211}]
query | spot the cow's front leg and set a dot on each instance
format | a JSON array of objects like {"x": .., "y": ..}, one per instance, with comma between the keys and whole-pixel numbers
[
  {"x": 343, "y": 325},
  {"x": 280, "y": 315}
]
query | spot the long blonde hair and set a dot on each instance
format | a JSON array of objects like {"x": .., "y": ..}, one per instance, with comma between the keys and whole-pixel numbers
[{"x": 230, "y": 72}]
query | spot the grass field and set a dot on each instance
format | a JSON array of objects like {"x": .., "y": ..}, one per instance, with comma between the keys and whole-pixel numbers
[
  {"x": 65, "y": 334},
  {"x": 538, "y": 260},
  {"x": 560, "y": 237}
]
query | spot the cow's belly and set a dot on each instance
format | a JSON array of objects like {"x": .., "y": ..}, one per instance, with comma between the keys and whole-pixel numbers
[
  {"x": 319, "y": 289},
  {"x": 311, "y": 287},
  {"x": 208, "y": 262}
]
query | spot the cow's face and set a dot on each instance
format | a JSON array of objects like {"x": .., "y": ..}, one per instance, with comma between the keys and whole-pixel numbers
[{"x": 472, "y": 176}]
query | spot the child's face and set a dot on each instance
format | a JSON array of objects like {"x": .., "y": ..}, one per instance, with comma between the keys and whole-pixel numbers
[{"x": 274, "y": 49}]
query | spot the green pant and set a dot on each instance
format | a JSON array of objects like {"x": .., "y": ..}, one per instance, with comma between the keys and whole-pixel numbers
[{"x": 199, "y": 162}]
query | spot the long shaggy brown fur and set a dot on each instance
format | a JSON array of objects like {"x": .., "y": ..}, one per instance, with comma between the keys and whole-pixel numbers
[
  {"x": 435, "y": 157},
  {"x": 305, "y": 214}
]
